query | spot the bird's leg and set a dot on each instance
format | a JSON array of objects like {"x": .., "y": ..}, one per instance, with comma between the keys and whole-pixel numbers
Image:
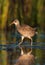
[
  {"x": 29, "y": 52},
  {"x": 21, "y": 50},
  {"x": 20, "y": 46},
  {"x": 31, "y": 47},
  {"x": 21, "y": 40},
  {"x": 31, "y": 44}
]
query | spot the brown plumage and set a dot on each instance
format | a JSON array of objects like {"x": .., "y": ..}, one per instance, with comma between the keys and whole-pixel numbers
[
  {"x": 25, "y": 59},
  {"x": 24, "y": 30}
]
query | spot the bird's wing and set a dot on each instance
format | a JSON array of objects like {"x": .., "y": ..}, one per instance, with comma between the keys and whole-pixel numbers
[{"x": 27, "y": 27}]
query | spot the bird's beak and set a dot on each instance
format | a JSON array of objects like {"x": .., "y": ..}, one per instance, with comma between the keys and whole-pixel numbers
[{"x": 11, "y": 23}]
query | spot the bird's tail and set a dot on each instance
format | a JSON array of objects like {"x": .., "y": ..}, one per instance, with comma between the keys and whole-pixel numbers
[{"x": 36, "y": 32}]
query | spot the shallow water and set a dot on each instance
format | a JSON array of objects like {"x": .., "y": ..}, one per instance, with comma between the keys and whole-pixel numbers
[{"x": 9, "y": 50}]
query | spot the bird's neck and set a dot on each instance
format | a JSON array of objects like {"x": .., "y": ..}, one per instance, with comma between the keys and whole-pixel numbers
[{"x": 18, "y": 26}]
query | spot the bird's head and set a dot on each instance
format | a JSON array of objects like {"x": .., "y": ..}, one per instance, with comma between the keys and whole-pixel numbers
[{"x": 16, "y": 22}]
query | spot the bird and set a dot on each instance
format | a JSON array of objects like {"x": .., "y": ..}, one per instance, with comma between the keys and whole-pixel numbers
[{"x": 26, "y": 31}]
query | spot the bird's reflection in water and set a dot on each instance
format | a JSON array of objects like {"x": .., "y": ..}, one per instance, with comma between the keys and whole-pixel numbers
[{"x": 25, "y": 59}]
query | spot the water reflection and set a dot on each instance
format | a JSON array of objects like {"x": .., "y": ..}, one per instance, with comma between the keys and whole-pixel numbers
[{"x": 9, "y": 56}]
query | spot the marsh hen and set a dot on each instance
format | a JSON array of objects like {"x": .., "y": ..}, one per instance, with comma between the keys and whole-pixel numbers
[{"x": 24, "y": 30}]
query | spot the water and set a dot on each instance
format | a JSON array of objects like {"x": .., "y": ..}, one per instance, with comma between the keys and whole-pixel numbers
[{"x": 9, "y": 50}]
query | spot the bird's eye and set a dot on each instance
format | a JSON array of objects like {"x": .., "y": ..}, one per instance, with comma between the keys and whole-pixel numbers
[{"x": 15, "y": 20}]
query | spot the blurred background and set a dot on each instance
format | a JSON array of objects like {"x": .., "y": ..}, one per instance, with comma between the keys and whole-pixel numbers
[{"x": 30, "y": 12}]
